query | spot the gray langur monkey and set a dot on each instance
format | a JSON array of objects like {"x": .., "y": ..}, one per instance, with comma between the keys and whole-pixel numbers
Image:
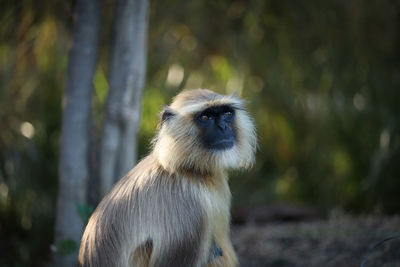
[{"x": 172, "y": 209}]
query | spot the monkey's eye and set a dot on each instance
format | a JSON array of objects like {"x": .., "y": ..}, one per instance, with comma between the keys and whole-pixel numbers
[
  {"x": 204, "y": 118},
  {"x": 228, "y": 114}
]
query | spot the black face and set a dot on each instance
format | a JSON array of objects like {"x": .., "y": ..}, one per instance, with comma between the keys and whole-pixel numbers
[{"x": 216, "y": 124}]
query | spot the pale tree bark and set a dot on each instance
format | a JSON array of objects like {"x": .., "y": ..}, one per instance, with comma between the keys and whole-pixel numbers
[
  {"x": 123, "y": 105},
  {"x": 76, "y": 122}
]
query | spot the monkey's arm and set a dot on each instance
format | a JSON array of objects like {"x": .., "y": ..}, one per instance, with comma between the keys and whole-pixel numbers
[
  {"x": 180, "y": 247},
  {"x": 175, "y": 258},
  {"x": 178, "y": 230}
]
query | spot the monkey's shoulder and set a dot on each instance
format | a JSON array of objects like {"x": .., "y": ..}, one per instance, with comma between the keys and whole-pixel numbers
[
  {"x": 144, "y": 171},
  {"x": 149, "y": 184}
]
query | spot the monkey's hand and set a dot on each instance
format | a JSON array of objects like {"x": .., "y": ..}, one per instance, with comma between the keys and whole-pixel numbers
[{"x": 215, "y": 252}]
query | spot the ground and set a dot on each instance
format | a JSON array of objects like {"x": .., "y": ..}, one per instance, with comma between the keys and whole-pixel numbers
[{"x": 338, "y": 241}]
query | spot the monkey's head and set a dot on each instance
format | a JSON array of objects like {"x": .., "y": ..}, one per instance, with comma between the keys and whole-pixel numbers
[{"x": 202, "y": 131}]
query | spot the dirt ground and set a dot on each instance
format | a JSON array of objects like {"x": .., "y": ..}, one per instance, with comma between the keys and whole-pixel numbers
[{"x": 339, "y": 241}]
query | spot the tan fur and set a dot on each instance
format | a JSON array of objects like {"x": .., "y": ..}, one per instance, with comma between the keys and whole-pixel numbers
[{"x": 169, "y": 209}]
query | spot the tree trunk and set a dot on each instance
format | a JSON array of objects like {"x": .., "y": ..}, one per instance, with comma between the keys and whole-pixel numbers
[
  {"x": 76, "y": 122},
  {"x": 127, "y": 77}
]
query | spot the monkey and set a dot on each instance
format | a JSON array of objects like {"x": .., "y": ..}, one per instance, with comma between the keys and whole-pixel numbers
[{"x": 173, "y": 208}]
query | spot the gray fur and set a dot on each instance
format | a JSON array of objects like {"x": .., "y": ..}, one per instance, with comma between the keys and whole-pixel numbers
[
  {"x": 134, "y": 204},
  {"x": 172, "y": 209}
]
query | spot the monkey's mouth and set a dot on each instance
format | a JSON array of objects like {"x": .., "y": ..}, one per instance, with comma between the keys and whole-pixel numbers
[{"x": 222, "y": 144}]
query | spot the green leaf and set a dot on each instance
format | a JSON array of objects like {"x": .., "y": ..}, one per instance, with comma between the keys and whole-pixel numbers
[
  {"x": 84, "y": 211},
  {"x": 66, "y": 247}
]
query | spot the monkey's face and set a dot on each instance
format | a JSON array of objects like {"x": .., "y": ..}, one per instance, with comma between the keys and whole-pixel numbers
[
  {"x": 216, "y": 127},
  {"x": 202, "y": 130}
]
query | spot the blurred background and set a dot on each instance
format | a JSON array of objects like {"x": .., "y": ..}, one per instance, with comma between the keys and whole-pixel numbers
[{"x": 322, "y": 80}]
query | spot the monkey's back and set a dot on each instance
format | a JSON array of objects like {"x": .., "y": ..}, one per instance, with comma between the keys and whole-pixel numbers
[{"x": 145, "y": 212}]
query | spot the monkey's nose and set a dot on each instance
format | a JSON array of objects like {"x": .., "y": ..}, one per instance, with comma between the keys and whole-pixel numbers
[{"x": 221, "y": 124}]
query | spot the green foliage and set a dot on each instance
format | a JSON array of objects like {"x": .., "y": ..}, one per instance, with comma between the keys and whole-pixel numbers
[
  {"x": 321, "y": 79},
  {"x": 84, "y": 211},
  {"x": 66, "y": 247}
]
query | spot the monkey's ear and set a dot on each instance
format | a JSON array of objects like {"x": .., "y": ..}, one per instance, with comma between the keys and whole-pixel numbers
[{"x": 166, "y": 114}]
